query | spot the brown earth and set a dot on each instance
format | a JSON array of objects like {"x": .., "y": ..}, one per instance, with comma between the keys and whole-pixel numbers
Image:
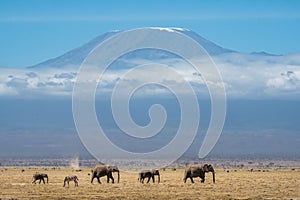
[{"x": 230, "y": 184}]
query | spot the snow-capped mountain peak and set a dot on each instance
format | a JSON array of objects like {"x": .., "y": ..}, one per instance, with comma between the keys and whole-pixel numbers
[{"x": 74, "y": 58}]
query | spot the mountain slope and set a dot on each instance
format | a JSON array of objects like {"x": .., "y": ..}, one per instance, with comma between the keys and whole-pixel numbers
[{"x": 75, "y": 57}]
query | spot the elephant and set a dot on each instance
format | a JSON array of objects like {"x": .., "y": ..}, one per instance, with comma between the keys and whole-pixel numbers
[
  {"x": 71, "y": 178},
  {"x": 198, "y": 171},
  {"x": 148, "y": 174},
  {"x": 39, "y": 177},
  {"x": 105, "y": 170}
]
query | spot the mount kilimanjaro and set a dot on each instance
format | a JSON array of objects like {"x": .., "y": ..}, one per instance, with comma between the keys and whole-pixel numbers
[{"x": 76, "y": 56}]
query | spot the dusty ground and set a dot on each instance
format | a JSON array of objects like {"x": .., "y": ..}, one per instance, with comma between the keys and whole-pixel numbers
[{"x": 235, "y": 184}]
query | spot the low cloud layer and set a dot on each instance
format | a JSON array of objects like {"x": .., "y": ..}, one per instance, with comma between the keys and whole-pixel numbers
[{"x": 244, "y": 77}]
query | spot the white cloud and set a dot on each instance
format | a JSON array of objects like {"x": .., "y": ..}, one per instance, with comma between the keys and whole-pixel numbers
[
  {"x": 28, "y": 82},
  {"x": 257, "y": 76},
  {"x": 244, "y": 76},
  {"x": 288, "y": 81},
  {"x": 7, "y": 91}
]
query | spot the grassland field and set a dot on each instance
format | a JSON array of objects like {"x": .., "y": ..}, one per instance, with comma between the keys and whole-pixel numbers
[{"x": 15, "y": 183}]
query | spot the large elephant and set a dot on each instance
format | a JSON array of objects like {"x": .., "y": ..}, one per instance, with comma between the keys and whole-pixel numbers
[
  {"x": 105, "y": 170},
  {"x": 148, "y": 174},
  {"x": 198, "y": 171}
]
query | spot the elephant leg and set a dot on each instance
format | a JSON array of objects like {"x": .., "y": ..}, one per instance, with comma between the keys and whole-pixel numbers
[
  {"x": 142, "y": 180},
  {"x": 192, "y": 179},
  {"x": 153, "y": 178},
  {"x": 64, "y": 184},
  {"x": 184, "y": 178},
  {"x": 202, "y": 179},
  {"x": 107, "y": 176},
  {"x": 148, "y": 179},
  {"x": 98, "y": 178},
  {"x": 112, "y": 179}
]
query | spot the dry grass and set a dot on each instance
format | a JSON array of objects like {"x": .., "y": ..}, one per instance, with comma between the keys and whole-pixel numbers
[{"x": 239, "y": 184}]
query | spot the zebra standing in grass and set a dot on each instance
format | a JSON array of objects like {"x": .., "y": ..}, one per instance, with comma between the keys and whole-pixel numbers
[{"x": 71, "y": 178}]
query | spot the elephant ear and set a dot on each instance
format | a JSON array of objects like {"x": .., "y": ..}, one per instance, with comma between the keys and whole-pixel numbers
[{"x": 206, "y": 167}]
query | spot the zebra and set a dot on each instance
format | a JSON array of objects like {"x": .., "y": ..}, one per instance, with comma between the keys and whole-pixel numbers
[
  {"x": 39, "y": 177},
  {"x": 71, "y": 178}
]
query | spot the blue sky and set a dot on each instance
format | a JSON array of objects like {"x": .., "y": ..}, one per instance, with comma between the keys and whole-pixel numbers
[{"x": 33, "y": 31}]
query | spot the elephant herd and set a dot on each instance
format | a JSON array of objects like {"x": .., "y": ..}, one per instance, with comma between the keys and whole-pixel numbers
[{"x": 191, "y": 171}]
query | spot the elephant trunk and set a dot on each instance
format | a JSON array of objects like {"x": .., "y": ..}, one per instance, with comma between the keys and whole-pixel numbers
[
  {"x": 213, "y": 173},
  {"x": 118, "y": 176},
  {"x": 158, "y": 178}
]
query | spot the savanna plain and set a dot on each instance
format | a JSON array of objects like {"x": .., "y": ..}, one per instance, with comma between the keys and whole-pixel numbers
[{"x": 15, "y": 183}]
